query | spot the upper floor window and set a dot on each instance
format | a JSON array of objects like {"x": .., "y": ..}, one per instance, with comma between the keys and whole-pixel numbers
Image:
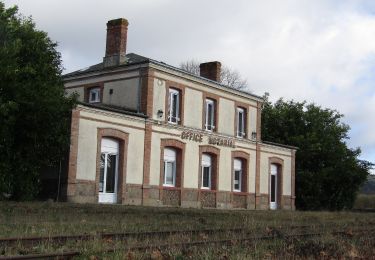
[
  {"x": 174, "y": 106},
  {"x": 210, "y": 115},
  {"x": 237, "y": 175},
  {"x": 169, "y": 167},
  {"x": 94, "y": 95},
  {"x": 241, "y": 127}
]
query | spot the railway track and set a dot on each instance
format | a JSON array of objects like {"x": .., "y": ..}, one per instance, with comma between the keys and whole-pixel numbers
[
  {"x": 182, "y": 244},
  {"x": 113, "y": 236},
  {"x": 31, "y": 241},
  {"x": 132, "y": 234}
]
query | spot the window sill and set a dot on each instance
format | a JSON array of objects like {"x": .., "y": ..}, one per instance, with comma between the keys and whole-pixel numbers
[
  {"x": 241, "y": 193},
  {"x": 208, "y": 190},
  {"x": 173, "y": 123},
  {"x": 169, "y": 186}
]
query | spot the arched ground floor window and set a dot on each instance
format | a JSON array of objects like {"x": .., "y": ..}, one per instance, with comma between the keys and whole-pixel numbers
[
  {"x": 172, "y": 154},
  {"x": 208, "y": 175},
  {"x": 240, "y": 172}
]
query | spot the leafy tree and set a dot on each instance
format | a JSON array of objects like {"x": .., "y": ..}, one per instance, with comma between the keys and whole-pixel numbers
[
  {"x": 228, "y": 77},
  {"x": 34, "y": 114},
  {"x": 328, "y": 173}
]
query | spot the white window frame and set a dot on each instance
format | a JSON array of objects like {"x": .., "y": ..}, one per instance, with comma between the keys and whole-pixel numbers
[
  {"x": 241, "y": 132},
  {"x": 173, "y": 161},
  {"x": 236, "y": 168},
  {"x": 204, "y": 165},
  {"x": 210, "y": 126},
  {"x": 173, "y": 93},
  {"x": 97, "y": 92}
]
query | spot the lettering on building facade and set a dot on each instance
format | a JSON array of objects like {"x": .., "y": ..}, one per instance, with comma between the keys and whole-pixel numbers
[
  {"x": 198, "y": 137},
  {"x": 190, "y": 135},
  {"x": 221, "y": 141}
]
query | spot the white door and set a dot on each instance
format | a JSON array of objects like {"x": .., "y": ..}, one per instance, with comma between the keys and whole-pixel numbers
[
  {"x": 108, "y": 171},
  {"x": 273, "y": 187}
]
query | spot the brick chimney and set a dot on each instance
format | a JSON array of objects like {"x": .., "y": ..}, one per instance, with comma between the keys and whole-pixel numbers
[
  {"x": 210, "y": 70},
  {"x": 115, "y": 51}
]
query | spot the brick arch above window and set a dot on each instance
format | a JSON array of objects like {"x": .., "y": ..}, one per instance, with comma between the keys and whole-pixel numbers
[
  {"x": 123, "y": 139},
  {"x": 241, "y": 154},
  {"x": 276, "y": 160},
  {"x": 114, "y": 133},
  {"x": 209, "y": 149},
  {"x": 172, "y": 143}
]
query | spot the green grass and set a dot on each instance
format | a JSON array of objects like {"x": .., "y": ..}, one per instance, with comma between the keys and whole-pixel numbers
[{"x": 44, "y": 219}]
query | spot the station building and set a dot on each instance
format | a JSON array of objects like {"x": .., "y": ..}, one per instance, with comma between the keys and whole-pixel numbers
[{"x": 147, "y": 133}]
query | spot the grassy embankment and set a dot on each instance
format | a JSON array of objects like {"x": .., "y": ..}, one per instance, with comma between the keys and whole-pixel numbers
[{"x": 46, "y": 219}]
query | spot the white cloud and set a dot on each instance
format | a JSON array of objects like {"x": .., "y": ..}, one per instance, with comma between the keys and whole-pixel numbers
[{"x": 315, "y": 50}]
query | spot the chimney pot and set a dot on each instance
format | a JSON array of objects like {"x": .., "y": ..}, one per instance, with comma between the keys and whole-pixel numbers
[
  {"x": 115, "y": 52},
  {"x": 210, "y": 70}
]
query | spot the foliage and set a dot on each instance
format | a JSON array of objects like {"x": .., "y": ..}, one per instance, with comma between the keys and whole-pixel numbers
[
  {"x": 365, "y": 202},
  {"x": 34, "y": 114},
  {"x": 328, "y": 173},
  {"x": 228, "y": 77}
]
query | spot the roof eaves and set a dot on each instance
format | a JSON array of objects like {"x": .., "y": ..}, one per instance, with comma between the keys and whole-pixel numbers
[
  {"x": 281, "y": 145},
  {"x": 113, "y": 109}
]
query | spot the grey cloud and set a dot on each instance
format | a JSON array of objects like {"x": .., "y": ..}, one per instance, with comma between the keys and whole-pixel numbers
[{"x": 298, "y": 49}]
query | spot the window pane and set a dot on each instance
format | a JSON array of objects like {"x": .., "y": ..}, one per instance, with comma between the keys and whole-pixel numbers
[
  {"x": 237, "y": 180},
  {"x": 206, "y": 177},
  {"x": 209, "y": 117},
  {"x": 169, "y": 105},
  {"x": 94, "y": 95},
  {"x": 240, "y": 123},
  {"x": 273, "y": 186},
  {"x": 175, "y": 106},
  {"x": 169, "y": 176},
  {"x": 101, "y": 177},
  {"x": 111, "y": 173}
]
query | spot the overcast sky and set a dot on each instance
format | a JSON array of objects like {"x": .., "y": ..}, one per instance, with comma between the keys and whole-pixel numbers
[{"x": 321, "y": 51}]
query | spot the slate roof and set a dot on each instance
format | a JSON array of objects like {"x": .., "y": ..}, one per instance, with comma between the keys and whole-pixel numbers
[{"x": 133, "y": 59}]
